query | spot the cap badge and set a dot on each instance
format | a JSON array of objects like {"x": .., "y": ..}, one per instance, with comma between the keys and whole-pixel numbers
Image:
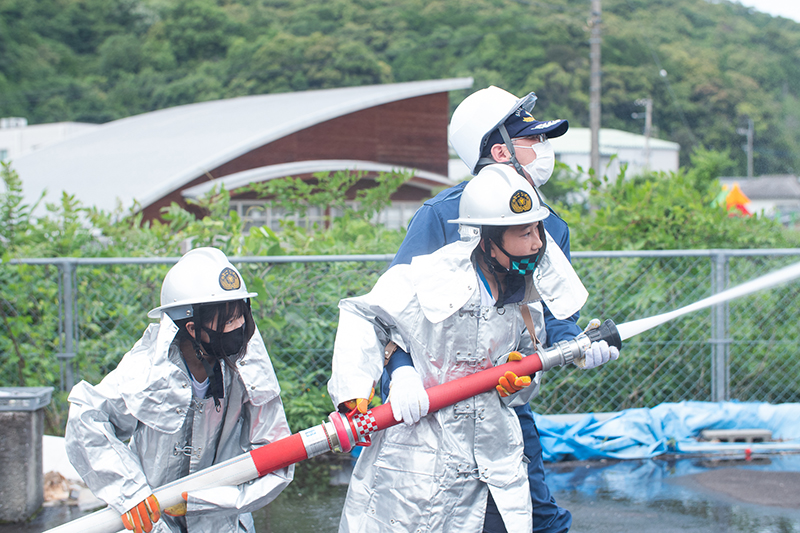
[
  {"x": 520, "y": 202},
  {"x": 229, "y": 279},
  {"x": 525, "y": 116}
]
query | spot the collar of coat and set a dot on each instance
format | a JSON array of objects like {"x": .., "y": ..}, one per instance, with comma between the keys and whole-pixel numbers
[
  {"x": 156, "y": 389},
  {"x": 445, "y": 280}
]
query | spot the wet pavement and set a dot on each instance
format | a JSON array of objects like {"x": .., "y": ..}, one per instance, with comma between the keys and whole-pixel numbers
[
  {"x": 702, "y": 494},
  {"x": 665, "y": 495}
]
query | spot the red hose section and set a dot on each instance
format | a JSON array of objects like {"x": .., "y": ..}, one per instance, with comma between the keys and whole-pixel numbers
[
  {"x": 279, "y": 454},
  {"x": 454, "y": 391},
  {"x": 460, "y": 389},
  {"x": 290, "y": 450}
]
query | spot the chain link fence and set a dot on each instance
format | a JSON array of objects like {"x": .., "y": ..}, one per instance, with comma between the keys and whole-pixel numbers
[{"x": 69, "y": 319}]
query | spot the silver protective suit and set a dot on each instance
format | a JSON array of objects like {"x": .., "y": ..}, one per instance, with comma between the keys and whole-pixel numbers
[
  {"x": 148, "y": 399},
  {"x": 436, "y": 475}
]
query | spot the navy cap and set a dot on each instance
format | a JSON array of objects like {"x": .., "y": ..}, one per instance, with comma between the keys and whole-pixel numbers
[{"x": 522, "y": 124}]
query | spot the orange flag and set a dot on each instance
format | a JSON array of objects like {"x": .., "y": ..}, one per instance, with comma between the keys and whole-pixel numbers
[{"x": 736, "y": 198}]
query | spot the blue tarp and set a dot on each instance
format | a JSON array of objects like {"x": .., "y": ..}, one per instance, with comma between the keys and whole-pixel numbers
[{"x": 666, "y": 428}]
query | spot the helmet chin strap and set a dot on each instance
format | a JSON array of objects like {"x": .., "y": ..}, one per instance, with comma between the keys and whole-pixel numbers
[
  {"x": 517, "y": 166},
  {"x": 483, "y": 161},
  {"x": 513, "y": 160},
  {"x": 494, "y": 266},
  {"x": 507, "y": 139},
  {"x": 214, "y": 372}
]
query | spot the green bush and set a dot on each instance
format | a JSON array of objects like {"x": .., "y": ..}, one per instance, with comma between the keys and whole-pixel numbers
[{"x": 296, "y": 310}]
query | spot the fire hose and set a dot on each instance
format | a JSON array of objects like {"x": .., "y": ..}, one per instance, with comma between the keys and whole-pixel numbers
[{"x": 341, "y": 432}]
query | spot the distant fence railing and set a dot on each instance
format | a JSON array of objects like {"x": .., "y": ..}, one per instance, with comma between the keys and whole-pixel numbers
[{"x": 68, "y": 319}]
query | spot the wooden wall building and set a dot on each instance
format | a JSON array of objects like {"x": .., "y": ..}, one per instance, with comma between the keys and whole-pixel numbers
[{"x": 148, "y": 161}]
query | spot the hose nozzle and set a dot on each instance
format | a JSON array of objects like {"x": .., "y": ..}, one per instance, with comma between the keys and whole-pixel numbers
[{"x": 565, "y": 352}]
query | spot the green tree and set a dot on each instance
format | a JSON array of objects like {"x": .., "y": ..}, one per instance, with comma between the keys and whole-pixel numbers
[
  {"x": 708, "y": 66},
  {"x": 197, "y": 29},
  {"x": 668, "y": 211}
]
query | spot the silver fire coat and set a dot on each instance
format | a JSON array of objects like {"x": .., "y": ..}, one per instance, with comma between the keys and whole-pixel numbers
[
  {"x": 148, "y": 399},
  {"x": 436, "y": 474}
]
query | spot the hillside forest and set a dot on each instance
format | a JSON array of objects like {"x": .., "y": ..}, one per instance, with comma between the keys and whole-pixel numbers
[{"x": 708, "y": 65}]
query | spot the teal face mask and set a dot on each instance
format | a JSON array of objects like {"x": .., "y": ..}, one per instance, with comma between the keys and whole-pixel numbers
[{"x": 521, "y": 264}]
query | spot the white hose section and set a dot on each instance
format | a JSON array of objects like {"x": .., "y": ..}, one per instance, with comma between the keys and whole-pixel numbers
[
  {"x": 629, "y": 329},
  {"x": 231, "y": 472}
]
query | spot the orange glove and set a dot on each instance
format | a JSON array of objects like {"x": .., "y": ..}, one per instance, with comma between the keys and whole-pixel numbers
[
  {"x": 361, "y": 404},
  {"x": 179, "y": 509},
  {"x": 142, "y": 516},
  {"x": 509, "y": 383}
]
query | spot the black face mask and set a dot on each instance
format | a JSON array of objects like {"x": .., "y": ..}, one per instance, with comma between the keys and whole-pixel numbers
[{"x": 226, "y": 344}]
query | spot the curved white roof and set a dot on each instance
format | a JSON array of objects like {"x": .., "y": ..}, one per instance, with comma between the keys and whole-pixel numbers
[
  {"x": 261, "y": 174},
  {"x": 147, "y": 156}
]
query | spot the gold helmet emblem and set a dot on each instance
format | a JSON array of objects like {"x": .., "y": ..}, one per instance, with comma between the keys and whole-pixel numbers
[
  {"x": 229, "y": 279},
  {"x": 520, "y": 202}
]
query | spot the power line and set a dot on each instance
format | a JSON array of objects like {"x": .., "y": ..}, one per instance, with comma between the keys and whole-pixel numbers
[{"x": 594, "y": 85}]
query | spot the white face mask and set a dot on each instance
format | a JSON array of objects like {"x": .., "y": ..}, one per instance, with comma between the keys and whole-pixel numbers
[{"x": 542, "y": 167}]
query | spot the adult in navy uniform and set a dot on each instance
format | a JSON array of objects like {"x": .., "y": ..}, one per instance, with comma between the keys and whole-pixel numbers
[{"x": 494, "y": 126}]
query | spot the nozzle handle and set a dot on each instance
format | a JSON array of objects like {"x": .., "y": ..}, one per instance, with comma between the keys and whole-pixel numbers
[{"x": 606, "y": 332}]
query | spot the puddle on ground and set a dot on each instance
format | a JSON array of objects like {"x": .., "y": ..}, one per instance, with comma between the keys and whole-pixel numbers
[
  {"x": 643, "y": 496},
  {"x": 671, "y": 495}
]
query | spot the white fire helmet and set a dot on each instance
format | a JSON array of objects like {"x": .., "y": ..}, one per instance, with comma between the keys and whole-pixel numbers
[
  {"x": 498, "y": 196},
  {"x": 479, "y": 115},
  {"x": 202, "y": 275}
]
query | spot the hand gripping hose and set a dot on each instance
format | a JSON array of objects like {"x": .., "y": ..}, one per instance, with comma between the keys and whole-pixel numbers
[{"x": 341, "y": 432}]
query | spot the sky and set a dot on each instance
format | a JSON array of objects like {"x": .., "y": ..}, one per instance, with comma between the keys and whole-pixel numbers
[{"x": 789, "y": 9}]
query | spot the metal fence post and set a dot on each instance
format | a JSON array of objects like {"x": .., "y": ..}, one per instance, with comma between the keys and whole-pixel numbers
[
  {"x": 67, "y": 354},
  {"x": 720, "y": 371}
]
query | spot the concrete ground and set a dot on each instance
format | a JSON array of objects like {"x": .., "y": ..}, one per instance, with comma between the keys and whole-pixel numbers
[{"x": 665, "y": 495}]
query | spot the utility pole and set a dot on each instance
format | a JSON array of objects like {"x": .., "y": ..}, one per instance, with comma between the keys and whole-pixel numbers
[
  {"x": 648, "y": 124},
  {"x": 748, "y": 131},
  {"x": 594, "y": 85}
]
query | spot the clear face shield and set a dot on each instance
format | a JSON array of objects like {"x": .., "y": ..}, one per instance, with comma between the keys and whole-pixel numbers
[{"x": 528, "y": 102}]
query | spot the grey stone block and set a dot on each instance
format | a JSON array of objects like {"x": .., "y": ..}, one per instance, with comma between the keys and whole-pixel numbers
[{"x": 21, "y": 430}]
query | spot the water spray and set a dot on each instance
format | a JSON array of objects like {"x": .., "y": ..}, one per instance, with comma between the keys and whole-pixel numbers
[
  {"x": 341, "y": 432},
  {"x": 631, "y": 329}
]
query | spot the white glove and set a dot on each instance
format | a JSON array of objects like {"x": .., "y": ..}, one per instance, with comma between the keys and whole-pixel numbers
[
  {"x": 599, "y": 352},
  {"x": 407, "y": 396}
]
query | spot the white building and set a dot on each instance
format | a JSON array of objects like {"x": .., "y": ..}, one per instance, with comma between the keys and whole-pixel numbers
[
  {"x": 574, "y": 148},
  {"x": 18, "y": 139}
]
